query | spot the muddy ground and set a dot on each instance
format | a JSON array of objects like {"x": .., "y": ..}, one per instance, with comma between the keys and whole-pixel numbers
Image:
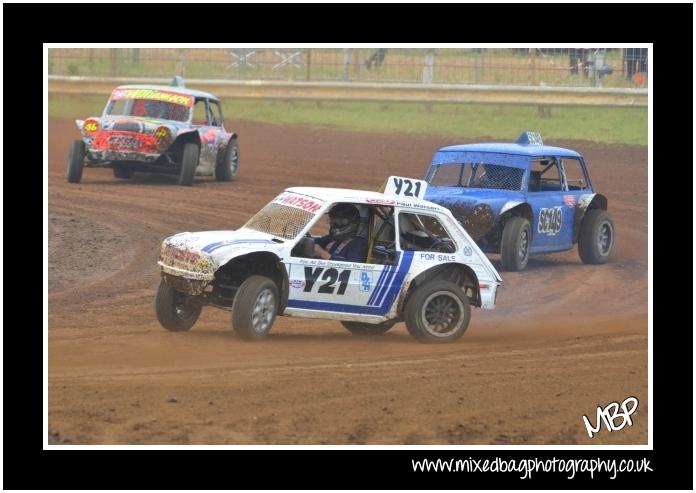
[{"x": 564, "y": 338}]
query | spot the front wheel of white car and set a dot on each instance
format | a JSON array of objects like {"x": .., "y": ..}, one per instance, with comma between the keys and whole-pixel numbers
[
  {"x": 437, "y": 311},
  {"x": 174, "y": 310},
  {"x": 255, "y": 307}
]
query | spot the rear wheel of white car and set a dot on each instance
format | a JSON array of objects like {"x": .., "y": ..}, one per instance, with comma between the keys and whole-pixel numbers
[
  {"x": 514, "y": 246},
  {"x": 363, "y": 329},
  {"x": 255, "y": 307},
  {"x": 76, "y": 161},
  {"x": 189, "y": 163},
  {"x": 437, "y": 312},
  {"x": 596, "y": 240},
  {"x": 122, "y": 173},
  {"x": 226, "y": 169},
  {"x": 174, "y": 310}
]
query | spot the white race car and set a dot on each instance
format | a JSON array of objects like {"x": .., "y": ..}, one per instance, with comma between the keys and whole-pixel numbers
[{"x": 421, "y": 267}]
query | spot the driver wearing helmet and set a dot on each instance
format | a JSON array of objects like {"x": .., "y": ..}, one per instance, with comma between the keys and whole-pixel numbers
[
  {"x": 344, "y": 241},
  {"x": 156, "y": 109}
]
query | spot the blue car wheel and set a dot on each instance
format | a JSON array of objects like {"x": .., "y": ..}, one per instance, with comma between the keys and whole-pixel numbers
[
  {"x": 596, "y": 241},
  {"x": 514, "y": 246}
]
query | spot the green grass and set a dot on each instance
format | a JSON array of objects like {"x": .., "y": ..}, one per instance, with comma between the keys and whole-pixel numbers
[{"x": 460, "y": 122}]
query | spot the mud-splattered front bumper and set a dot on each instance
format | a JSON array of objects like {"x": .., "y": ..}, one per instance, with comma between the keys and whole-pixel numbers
[
  {"x": 184, "y": 285},
  {"x": 187, "y": 264},
  {"x": 108, "y": 155},
  {"x": 121, "y": 145}
]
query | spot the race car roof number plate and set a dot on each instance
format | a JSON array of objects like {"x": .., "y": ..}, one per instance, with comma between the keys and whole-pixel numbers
[{"x": 405, "y": 187}]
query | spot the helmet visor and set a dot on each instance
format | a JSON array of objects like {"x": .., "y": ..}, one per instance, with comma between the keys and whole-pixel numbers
[{"x": 339, "y": 222}]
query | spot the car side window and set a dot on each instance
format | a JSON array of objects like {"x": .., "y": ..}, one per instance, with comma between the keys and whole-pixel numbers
[
  {"x": 376, "y": 226},
  {"x": 545, "y": 175},
  {"x": 118, "y": 106},
  {"x": 575, "y": 176},
  {"x": 200, "y": 114},
  {"x": 215, "y": 114},
  {"x": 423, "y": 233},
  {"x": 478, "y": 177},
  {"x": 382, "y": 236},
  {"x": 446, "y": 175}
]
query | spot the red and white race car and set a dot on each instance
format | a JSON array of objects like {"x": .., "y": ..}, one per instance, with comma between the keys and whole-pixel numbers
[{"x": 160, "y": 129}]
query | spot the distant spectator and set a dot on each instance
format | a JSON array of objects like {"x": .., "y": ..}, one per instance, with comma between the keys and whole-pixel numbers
[
  {"x": 376, "y": 59},
  {"x": 636, "y": 60},
  {"x": 630, "y": 59},
  {"x": 578, "y": 58},
  {"x": 643, "y": 59}
]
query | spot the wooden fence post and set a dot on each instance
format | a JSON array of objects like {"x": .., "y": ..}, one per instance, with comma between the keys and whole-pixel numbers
[
  {"x": 113, "y": 62},
  {"x": 309, "y": 64}
]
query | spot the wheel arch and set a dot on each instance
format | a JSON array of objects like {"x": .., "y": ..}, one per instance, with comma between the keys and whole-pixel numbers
[
  {"x": 460, "y": 274},
  {"x": 509, "y": 210},
  {"x": 186, "y": 137},
  {"x": 267, "y": 264},
  {"x": 222, "y": 148},
  {"x": 522, "y": 209},
  {"x": 586, "y": 203}
]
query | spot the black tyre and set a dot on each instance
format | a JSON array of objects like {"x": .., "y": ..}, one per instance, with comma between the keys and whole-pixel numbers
[
  {"x": 173, "y": 310},
  {"x": 189, "y": 163},
  {"x": 596, "y": 240},
  {"x": 255, "y": 307},
  {"x": 76, "y": 161},
  {"x": 363, "y": 329},
  {"x": 123, "y": 173},
  {"x": 514, "y": 246},
  {"x": 437, "y": 312},
  {"x": 226, "y": 169}
]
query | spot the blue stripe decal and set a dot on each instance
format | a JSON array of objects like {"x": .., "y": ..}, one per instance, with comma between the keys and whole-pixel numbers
[
  {"x": 219, "y": 244},
  {"x": 385, "y": 286},
  {"x": 398, "y": 280},
  {"x": 379, "y": 284},
  {"x": 336, "y": 307},
  {"x": 392, "y": 292},
  {"x": 390, "y": 276}
]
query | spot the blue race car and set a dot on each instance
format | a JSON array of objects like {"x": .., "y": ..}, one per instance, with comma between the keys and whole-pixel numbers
[{"x": 522, "y": 198}]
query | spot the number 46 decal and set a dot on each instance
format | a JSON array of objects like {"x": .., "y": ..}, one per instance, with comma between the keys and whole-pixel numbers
[{"x": 330, "y": 276}]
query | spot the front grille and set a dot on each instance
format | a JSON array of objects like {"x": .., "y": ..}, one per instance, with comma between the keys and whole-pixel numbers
[{"x": 127, "y": 126}]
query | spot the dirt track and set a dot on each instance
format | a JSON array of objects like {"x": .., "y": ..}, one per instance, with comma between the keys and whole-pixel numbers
[{"x": 564, "y": 338}]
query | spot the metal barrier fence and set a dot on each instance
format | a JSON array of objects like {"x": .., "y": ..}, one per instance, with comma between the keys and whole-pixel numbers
[
  {"x": 543, "y": 97},
  {"x": 566, "y": 67}
]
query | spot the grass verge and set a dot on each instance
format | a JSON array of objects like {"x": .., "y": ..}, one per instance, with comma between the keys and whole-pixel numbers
[{"x": 460, "y": 122}]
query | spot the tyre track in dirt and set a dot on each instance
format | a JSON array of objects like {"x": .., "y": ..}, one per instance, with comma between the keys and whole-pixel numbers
[{"x": 564, "y": 338}]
